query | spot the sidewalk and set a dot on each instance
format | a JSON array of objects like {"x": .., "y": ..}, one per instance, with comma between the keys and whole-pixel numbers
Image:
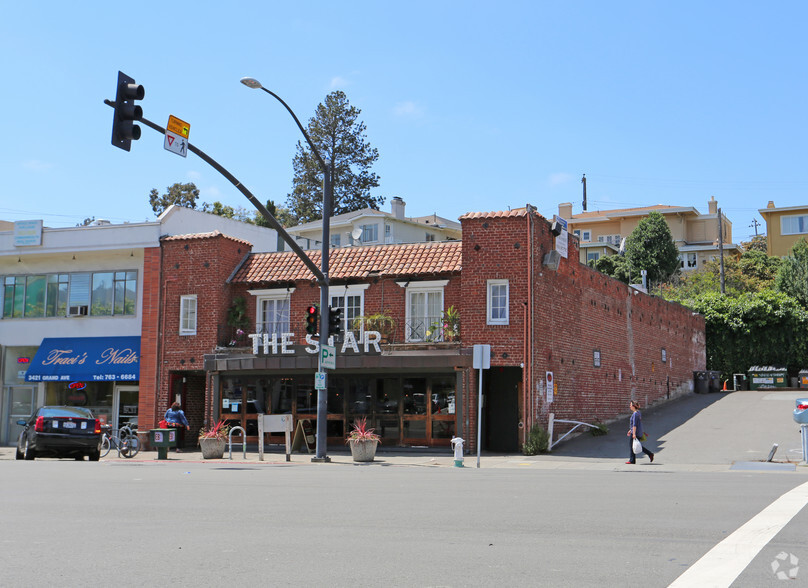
[{"x": 699, "y": 432}]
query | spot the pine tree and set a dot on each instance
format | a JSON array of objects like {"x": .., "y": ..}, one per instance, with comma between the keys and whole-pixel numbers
[{"x": 341, "y": 141}]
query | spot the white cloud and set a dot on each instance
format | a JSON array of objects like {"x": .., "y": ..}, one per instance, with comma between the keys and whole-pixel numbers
[
  {"x": 338, "y": 82},
  {"x": 408, "y": 109},
  {"x": 194, "y": 176},
  {"x": 559, "y": 178},
  {"x": 36, "y": 165}
]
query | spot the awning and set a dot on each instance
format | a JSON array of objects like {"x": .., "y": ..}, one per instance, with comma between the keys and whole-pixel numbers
[{"x": 91, "y": 359}]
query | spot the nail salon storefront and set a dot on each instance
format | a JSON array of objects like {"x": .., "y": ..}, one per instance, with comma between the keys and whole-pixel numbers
[
  {"x": 100, "y": 373},
  {"x": 410, "y": 398}
]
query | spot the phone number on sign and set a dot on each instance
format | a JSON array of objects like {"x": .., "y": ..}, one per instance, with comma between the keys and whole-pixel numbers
[{"x": 113, "y": 377}]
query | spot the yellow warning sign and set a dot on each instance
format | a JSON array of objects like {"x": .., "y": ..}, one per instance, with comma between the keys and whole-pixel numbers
[{"x": 177, "y": 126}]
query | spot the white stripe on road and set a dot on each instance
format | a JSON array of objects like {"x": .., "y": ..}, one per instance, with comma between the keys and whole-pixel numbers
[{"x": 724, "y": 563}]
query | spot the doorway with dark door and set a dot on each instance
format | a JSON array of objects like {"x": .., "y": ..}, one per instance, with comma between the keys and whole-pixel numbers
[{"x": 500, "y": 426}]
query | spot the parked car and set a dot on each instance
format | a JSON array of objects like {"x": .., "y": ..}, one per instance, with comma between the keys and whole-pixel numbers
[{"x": 60, "y": 431}]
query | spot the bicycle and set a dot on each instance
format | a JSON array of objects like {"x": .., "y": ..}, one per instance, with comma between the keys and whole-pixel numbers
[{"x": 126, "y": 441}]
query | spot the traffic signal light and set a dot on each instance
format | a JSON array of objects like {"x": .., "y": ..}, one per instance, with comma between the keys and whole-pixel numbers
[
  {"x": 312, "y": 317},
  {"x": 335, "y": 322},
  {"x": 124, "y": 129}
]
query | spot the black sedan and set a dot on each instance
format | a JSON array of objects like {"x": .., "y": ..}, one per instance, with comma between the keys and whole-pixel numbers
[{"x": 60, "y": 431}]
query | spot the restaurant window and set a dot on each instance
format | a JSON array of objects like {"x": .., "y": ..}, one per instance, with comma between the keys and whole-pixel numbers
[
  {"x": 188, "y": 315},
  {"x": 424, "y": 308},
  {"x": 352, "y": 303},
  {"x": 272, "y": 310}
]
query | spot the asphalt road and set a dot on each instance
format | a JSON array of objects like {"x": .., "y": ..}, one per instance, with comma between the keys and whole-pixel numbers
[{"x": 578, "y": 517}]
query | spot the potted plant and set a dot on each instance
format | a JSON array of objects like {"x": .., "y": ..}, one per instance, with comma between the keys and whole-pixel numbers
[
  {"x": 381, "y": 322},
  {"x": 447, "y": 328},
  {"x": 237, "y": 320},
  {"x": 363, "y": 441},
  {"x": 212, "y": 440}
]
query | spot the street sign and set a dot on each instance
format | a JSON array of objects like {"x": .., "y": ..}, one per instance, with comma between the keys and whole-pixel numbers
[
  {"x": 177, "y": 132},
  {"x": 328, "y": 357},
  {"x": 320, "y": 381},
  {"x": 178, "y": 127},
  {"x": 176, "y": 144}
]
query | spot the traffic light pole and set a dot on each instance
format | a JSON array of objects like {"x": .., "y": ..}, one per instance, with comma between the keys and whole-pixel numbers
[{"x": 320, "y": 274}]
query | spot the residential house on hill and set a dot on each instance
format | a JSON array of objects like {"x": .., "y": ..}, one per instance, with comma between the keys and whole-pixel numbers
[
  {"x": 601, "y": 232},
  {"x": 374, "y": 227},
  {"x": 784, "y": 227}
]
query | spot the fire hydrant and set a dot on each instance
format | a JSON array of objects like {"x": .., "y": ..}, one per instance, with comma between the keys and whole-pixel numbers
[{"x": 457, "y": 444}]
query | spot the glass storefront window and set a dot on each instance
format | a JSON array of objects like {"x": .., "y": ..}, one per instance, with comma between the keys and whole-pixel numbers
[
  {"x": 414, "y": 395},
  {"x": 97, "y": 396}
]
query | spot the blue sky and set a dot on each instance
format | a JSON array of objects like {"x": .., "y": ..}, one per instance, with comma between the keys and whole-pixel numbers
[{"x": 473, "y": 106}]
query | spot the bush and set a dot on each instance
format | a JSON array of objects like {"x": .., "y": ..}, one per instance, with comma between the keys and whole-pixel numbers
[
  {"x": 599, "y": 429},
  {"x": 538, "y": 441}
]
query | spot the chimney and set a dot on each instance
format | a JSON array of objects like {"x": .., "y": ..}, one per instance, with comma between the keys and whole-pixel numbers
[
  {"x": 565, "y": 210},
  {"x": 770, "y": 204},
  {"x": 712, "y": 206},
  {"x": 397, "y": 207}
]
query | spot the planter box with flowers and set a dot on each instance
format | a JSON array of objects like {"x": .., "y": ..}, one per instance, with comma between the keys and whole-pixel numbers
[
  {"x": 363, "y": 441},
  {"x": 213, "y": 440}
]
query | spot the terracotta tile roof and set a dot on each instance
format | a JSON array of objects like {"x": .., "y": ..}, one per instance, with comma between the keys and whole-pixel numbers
[
  {"x": 438, "y": 257},
  {"x": 500, "y": 214},
  {"x": 209, "y": 235}
]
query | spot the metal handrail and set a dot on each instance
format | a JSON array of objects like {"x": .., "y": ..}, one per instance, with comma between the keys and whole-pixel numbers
[
  {"x": 554, "y": 420},
  {"x": 243, "y": 442}
]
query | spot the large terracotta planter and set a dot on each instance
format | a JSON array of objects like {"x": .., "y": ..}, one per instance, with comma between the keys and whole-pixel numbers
[
  {"x": 212, "y": 448},
  {"x": 363, "y": 449}
]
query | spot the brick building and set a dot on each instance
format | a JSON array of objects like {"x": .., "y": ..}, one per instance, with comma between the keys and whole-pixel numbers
[{"x": 405, "y": 360}]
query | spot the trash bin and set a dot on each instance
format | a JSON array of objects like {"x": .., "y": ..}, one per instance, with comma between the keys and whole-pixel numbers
[
  {"x": 707, "y": 381},
  {"x": 162, "y": 439},
  {"x": 700, "y": 382},
  {"x": 763, "y": 377},
  {"x": 803, "y": 379}
]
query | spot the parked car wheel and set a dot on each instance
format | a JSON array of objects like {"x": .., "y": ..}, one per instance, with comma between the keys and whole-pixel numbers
[
  {"x": 18, "y": 454},
  {"x": 95, "y": 456},
  {"x": 29, "y": 453}
]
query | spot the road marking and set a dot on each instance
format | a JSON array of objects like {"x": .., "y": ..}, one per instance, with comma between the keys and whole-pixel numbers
[{"x": 724, "y": 563}]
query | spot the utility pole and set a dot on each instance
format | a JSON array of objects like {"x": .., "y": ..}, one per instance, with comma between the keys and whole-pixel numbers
[
  {"x": 755, "y": 224},
  {"x": 583, "y": 181},
  {"x": 721, "y": 248}
]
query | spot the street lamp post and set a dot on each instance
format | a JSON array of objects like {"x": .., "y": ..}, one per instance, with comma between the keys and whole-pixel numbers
[{"x": 328, "y": 197}]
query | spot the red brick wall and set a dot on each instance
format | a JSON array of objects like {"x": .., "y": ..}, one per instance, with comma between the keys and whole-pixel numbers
[
  {"x": 575, "y": 310},
  {"x": 193, "y": 265}
]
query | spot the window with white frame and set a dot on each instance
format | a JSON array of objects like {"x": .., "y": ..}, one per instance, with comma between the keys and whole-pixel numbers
[
  {"x": 272, "y": 310},
  {"x": 352, "y": 303},
  {"x": 188, "y": 315},
  {"x": 370, "y": 233},
  {"x": 335, "y": 240},
  {"x": 794, "y": 224},
  {"x": 688, "y": 261},
  {"x": 497, "y": 303},
  {"x": 592, "y": 256},
  {"x": 424, "y": 310}
]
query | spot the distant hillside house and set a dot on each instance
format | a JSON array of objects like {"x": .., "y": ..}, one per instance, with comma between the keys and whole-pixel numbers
[
  {"x": 601, "y": 232},
  {"x": 784, "y": 227},
  {"x": 374, "y": 227}
]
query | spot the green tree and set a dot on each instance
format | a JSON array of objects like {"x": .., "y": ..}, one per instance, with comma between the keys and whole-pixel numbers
[
  {"x": 238, "y": 213},
  {"x": 792, "y": 278},
  {"x": 754, "y": 271},
  {"x": 179, "y": 194},
  {"x": 649, "y": 247},
  {"x": 756, "y": 243},
  {"x": 340, "y": 139},
  {"x": 281, "y": 214},
  {"x": 759, "y": 328}
]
